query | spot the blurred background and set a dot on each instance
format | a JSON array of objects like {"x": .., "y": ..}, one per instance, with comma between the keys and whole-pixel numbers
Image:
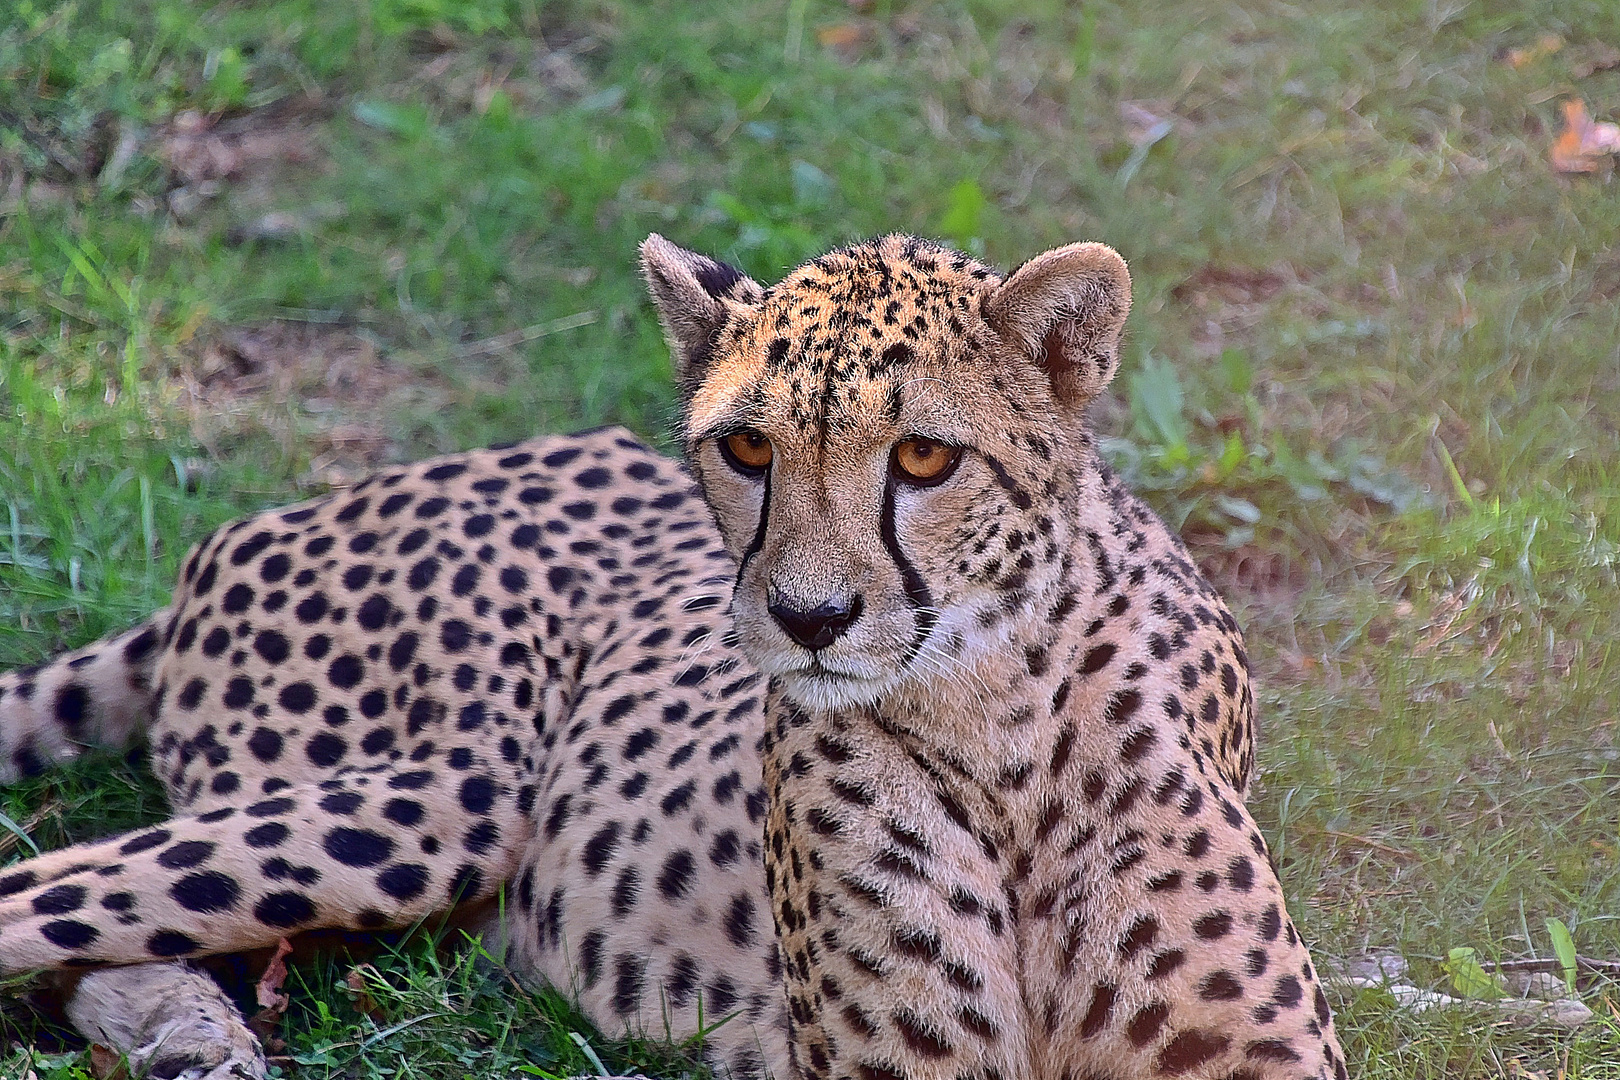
[{"x": 249, "y": 251}]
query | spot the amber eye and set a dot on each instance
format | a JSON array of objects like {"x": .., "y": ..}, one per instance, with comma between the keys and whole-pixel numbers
[
  {"x": 924, "y": 462},
  {"x": 747, "y": 451}
]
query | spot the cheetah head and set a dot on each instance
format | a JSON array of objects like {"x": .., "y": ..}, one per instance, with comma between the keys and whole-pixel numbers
[{"x": 893, "y": 442}]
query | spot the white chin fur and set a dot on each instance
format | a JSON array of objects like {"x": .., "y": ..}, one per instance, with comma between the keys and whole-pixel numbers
[{"x": 827, "y": 693}]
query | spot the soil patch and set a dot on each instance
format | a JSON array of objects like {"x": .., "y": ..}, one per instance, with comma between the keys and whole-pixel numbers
[{"x": 330, "y": 391}]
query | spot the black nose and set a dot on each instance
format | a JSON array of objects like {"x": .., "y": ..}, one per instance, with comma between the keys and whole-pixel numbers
[{"x": 820, "y": 626}]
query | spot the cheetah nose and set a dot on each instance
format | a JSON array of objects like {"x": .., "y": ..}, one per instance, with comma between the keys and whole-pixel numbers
[{"x": 820, "y": 626}]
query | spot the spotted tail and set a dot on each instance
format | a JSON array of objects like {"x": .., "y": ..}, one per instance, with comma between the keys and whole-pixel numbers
[{"x": 100, "y": 695}]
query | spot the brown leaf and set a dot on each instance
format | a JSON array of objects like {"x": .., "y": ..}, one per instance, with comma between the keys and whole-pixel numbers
[
  {"x": 268, "y": 992},
  {"x": 1584, "y": 143},
  {"x": 1544, "y": 47},
  {"x": 106, "y": 1063},
  {"x": 363, "y": 1001},
  {"x": 1596, "y": 56},
  {"x": 841, "y": 37},
  {"x": 272, "y": 1001}
]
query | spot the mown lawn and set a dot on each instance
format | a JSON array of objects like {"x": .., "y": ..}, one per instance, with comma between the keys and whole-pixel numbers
[{"x": 248, "y": 250}]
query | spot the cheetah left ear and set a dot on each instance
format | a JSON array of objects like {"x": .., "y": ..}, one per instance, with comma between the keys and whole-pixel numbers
[
  {"x": 1065, "y": 310},
  {"x": 695, "y": 297}
]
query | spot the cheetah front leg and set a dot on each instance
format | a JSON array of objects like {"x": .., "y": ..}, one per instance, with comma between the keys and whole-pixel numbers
[
  {"x": 1175, "y": 953},
  {"x": 363, "y": 852}
]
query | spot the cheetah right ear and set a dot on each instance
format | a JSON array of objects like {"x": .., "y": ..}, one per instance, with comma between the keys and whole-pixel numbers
[
  {"x": 1065, "y": 310},
  {"x": 696, "y": 297}
]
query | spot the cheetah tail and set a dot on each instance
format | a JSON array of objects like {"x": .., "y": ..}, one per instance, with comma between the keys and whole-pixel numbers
[{"x": 99, "y": 695}]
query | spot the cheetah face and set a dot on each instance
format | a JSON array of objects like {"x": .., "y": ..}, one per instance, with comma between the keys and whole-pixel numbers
[{"x": 892, "y": 441}]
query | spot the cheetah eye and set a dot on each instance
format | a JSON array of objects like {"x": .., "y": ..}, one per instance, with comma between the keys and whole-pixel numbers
[
  {"x": 748, "y": 451},
  {"x": 923, "y": 462}
]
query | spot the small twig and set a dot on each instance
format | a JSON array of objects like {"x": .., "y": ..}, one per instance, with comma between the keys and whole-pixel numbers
[
  {"x": 1374, "y": 844},
  {"x": 528, "y": 333}
]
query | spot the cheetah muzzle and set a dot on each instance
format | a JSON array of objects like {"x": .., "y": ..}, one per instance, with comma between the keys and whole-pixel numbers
[{"x": 894, "y": 663}]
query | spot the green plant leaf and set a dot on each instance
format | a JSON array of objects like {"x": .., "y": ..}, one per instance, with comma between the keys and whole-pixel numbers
[
  {"x": 405, "y": 121},
  {"x": 1156, "y": 403},
  {"x": 962, "y": 220},
  {"x": 1237, "y": 370},
  {"x": 1468, "y": 978},
  {"x": 1563, "y": 944}
]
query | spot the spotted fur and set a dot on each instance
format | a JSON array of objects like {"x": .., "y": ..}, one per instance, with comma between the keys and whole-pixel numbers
[{"x": 977, "y": 747}]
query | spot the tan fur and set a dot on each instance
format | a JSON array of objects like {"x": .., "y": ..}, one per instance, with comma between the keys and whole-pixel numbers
[{"x": 996, "y": 818}]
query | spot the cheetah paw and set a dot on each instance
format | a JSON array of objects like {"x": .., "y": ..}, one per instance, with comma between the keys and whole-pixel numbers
[{"x": 172, "y": 1022}]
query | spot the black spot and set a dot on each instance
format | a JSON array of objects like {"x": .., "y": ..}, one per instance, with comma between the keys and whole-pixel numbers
[
  {"x": 404, "y": 882},
  {"x": 265, "y": 744},
  {"x": 1190, "y": 1049},
  {"x": 448, "y": 471},
  {"x": 1220, "y": 986},
  {"x": 357, "y": 847},
  {"x": 346, "y": 671},
  {"x": 465, "y": 884},
  {"x": 191, "y": 694},
  {"x": 717, "y": 279},
  {"x": 284, "y": 910},
  {"x": 326, "y": 749},
  {"x": 297, "y": 698},
  {"x": 1139, "y": 936},
  {"x": 171, "y": 943},
  {"x": 342, "y": 803},
  {"x": 1145, "y": 1025},
  {"x": 237, "y": 599},
  {"x": 60, "y": 900},
  {"x": 481, "y": 837},
  {"x": 455, "y": 635},
  {"x": 477, "y": 794},
  {"x": 69, "y": 934},
  {"x": 311, "y": 609},
  {"x": 405, "y": 812},
  {"x": 238, "y": 693},
  {"x": 185, "y": 854},
  {"x": 675, "y": 877},
  {"x": 216, "y": 642},
  {"x": 206, "y": 891},
  {"x": 72, "y": 704},
  {"x": 1165, "y": 963},
  {"x": 600, "y": 848},
  {"x": 271, "y": 646},
  {"x": 270, "y": 834},
  {"x": 625, "y": 891},
  {"x": 1096, "y": 659}
]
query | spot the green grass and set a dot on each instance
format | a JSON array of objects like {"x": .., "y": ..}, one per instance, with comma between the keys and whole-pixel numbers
[{"x": 1373, "y": 372}]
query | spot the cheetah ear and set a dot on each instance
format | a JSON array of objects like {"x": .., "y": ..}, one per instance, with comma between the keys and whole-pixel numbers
[
  {"x": 1065, "y": 310},
  {"x": 695, "y": 296}
]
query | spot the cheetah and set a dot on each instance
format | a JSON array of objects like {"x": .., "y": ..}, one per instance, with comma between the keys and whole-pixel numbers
[{"x": 891, "y": 727}]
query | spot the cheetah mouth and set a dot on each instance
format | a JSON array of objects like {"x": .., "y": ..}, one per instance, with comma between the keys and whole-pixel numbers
[{"x": 818, "y": 686}]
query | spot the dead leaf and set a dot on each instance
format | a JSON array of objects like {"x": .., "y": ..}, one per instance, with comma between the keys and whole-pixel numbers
[
  {"x": 198, "y": 148},
  {"x": 840, "y": 37},
  {"x": 105, "y": 1063},
  {"x": 363, "y": 1001},
  {"x": 268, "y": 993},
  {"x": 1596, "y": 56},
  {"x": 1544, "y": 47},
  {"x": 1584, "y": 143}
]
